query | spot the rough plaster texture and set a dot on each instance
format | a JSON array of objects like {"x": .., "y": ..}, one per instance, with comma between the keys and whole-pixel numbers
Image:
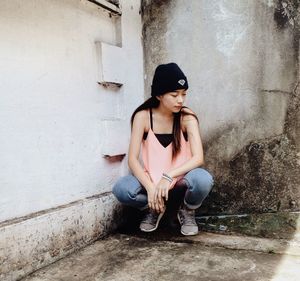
[
  {"x": 292, "y": 122},
  {"x": 238, "y": 64},
  {"x": 242, "y": 65},
  {"x": 263, "y": 177}
]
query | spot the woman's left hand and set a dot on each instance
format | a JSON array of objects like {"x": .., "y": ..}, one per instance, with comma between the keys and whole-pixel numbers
[{"x": 162, "y": 190}]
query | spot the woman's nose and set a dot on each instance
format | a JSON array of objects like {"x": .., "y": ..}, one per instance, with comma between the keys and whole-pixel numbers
[{"x": 180, "y": 99}]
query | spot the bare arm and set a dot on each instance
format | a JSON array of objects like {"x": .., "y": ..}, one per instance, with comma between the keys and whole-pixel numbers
[
  {"x": 191, "y": 125},
  {"x": 138, "y": 128}
]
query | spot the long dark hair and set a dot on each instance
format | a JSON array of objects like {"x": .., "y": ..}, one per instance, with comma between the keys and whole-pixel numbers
[{"x": 153, "y": 102}]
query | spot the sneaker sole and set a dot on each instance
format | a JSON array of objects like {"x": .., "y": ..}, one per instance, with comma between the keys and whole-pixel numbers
[
  {"x": 157, "y": 223},
  {"x": 183, "y": 233}
]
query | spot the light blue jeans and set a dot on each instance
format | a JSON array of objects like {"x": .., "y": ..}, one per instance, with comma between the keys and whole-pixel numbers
[{"x": 193, "y": 187}]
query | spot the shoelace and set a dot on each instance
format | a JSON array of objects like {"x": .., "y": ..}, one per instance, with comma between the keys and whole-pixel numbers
[
  {"x": 151, "y": 217},
  {"x": 188, "y": 218}
]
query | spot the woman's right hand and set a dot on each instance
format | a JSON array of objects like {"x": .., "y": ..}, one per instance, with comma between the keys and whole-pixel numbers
[{"x": 153, "y": 203}]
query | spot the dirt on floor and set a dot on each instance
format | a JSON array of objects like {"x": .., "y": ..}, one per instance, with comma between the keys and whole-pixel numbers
[{"x": 155, "y": 257}]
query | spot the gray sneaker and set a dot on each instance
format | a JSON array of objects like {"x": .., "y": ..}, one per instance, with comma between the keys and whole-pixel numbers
[
  {"x": 150, "y": 221},
  {"x": 187, "y": 220}
]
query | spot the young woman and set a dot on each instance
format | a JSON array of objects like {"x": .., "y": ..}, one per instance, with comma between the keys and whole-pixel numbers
[{"x": 172, "y": 153}]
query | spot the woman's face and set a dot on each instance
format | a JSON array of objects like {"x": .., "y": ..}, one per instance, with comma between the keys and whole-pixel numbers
[{"x": 173, "y": 101}]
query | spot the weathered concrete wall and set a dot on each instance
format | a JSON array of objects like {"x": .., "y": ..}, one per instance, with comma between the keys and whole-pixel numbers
[
  {"x": 57, "y": 123},
  {"x": 242, "y": 65},
  {"x": 32, "y": 242},
  {"x": 264, "y": 176}
]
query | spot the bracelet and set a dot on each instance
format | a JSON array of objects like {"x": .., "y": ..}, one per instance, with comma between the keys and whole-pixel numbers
[{"x": 167, "y": 177}]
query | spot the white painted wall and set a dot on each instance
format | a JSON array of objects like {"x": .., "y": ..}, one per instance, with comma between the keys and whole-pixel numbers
[{"x": 53, "y": 114}]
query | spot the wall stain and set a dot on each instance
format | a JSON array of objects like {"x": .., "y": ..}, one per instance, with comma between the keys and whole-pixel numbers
[
  {"x": 262, "y": 177},
  {"x": 155, "y": 16},
  {"x": 286, "y": 13}
]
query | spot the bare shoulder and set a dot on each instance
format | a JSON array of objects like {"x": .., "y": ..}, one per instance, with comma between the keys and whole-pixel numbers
[
  {"x": 188, "y": 115},
  {"x": 141, "y": 115},
  {"x": 141, "y": 118}
]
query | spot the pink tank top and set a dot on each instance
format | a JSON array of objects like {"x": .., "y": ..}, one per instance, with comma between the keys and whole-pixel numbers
[{"x": 157, "y": 159}]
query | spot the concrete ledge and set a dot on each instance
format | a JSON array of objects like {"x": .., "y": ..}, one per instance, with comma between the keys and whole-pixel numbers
[
  {"x": 32, "y": 242},
  {"x": 264, "y": 245},
  {"x": 267, "y": 233},
  {"x": 233, "y": 242},
  {"x": 227, "y": 241},
  {"x": 281, "y": 225}
]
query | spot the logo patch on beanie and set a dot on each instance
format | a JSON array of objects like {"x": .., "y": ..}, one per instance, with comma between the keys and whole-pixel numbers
[{"x": 181, "y": 82}]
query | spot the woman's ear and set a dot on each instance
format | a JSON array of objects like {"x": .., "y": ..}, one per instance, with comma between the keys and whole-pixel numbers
[{"x": 158, "y": 97}]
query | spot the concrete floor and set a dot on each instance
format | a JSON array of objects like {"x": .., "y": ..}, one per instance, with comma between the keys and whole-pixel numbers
[{"x": 157, "y": 256}]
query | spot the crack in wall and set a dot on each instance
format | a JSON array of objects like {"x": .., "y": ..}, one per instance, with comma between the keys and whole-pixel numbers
[{"x": 276, "y": 91}]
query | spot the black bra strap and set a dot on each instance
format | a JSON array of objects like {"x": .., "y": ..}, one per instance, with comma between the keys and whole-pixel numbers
[{"x": 151, "y": 121}]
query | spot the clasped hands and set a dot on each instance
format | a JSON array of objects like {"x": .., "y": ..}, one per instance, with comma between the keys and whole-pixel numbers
[{"x": 158, "y": 194}]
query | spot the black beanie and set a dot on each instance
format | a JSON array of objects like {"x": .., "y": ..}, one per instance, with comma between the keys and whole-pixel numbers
[{"x": 168, "y": 78}]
